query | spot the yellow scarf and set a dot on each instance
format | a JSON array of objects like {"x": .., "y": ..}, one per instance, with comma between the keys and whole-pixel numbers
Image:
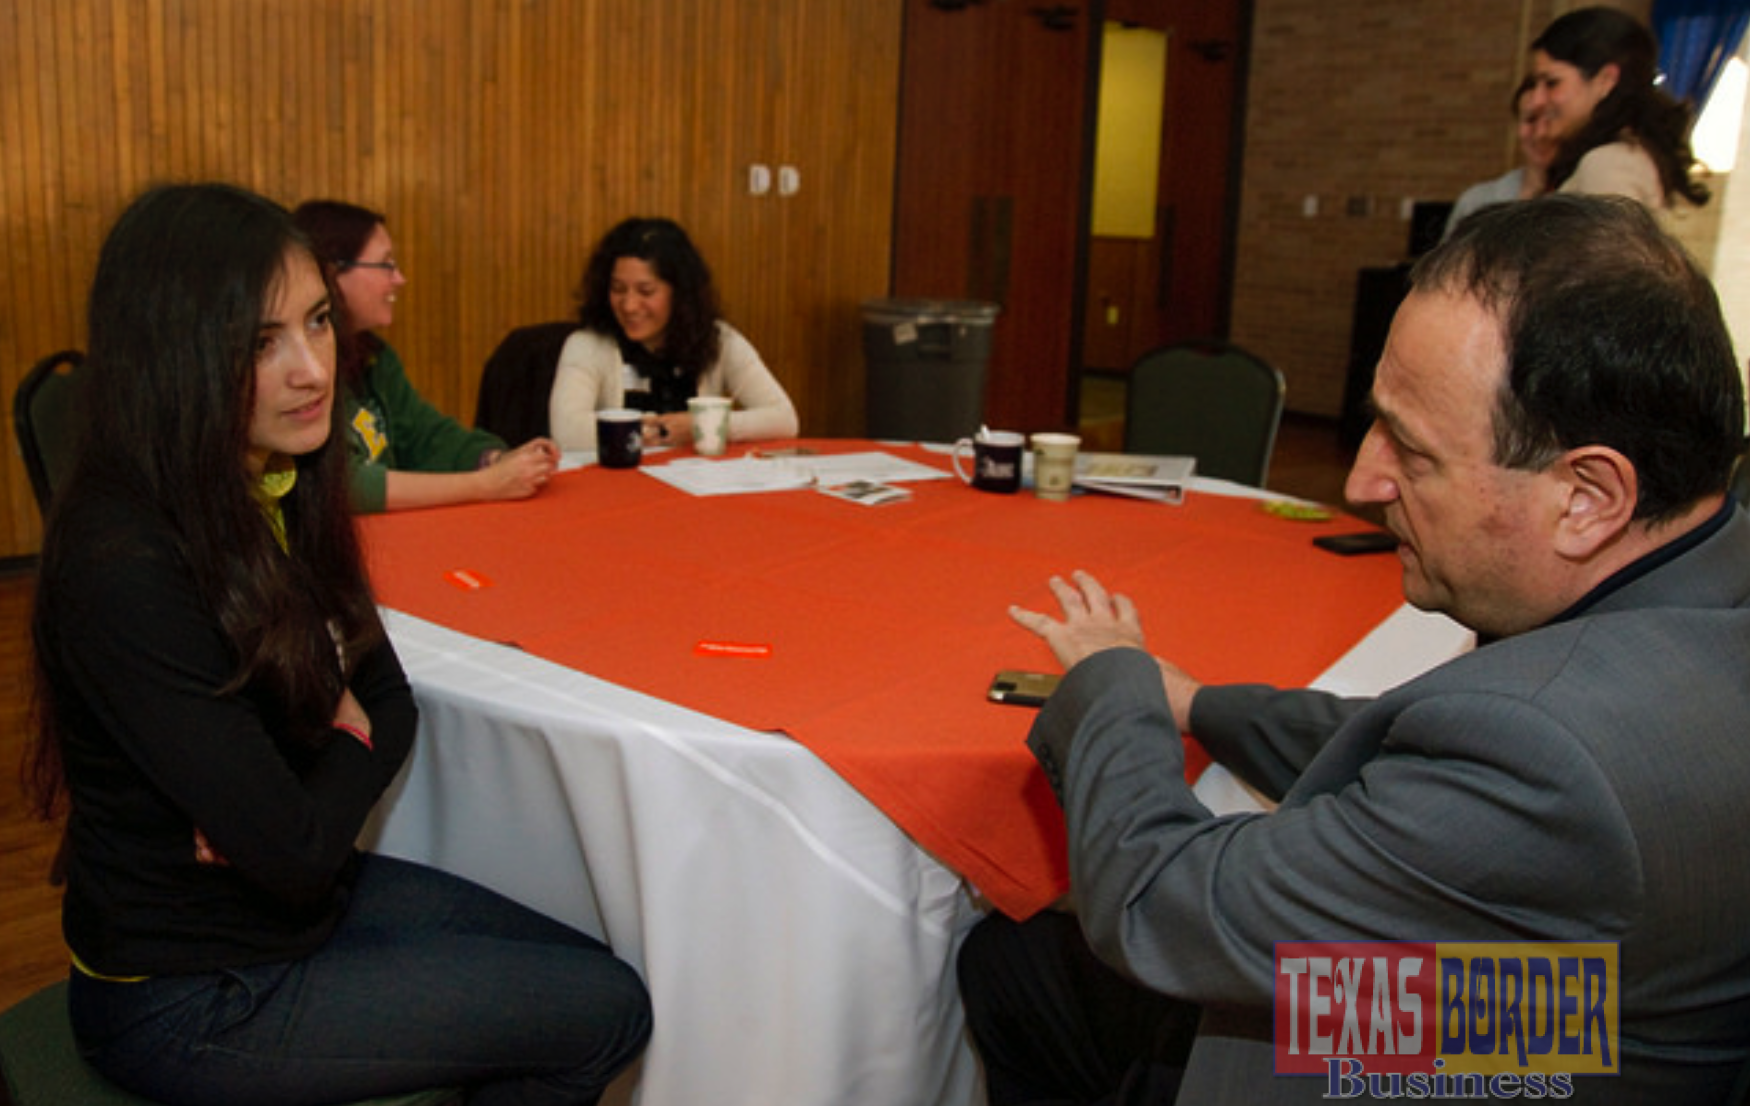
[{"x": 275, "y": 484}]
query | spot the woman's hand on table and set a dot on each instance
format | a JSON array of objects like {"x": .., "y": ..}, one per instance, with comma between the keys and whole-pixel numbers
[
  {"x": 1094, "y": 620},
  {"x": 521, "y": 472},
  {"x": 671, "y": 429}
]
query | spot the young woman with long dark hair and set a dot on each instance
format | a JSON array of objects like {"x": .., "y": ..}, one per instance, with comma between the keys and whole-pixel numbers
[{"x": 220, "y": 710}]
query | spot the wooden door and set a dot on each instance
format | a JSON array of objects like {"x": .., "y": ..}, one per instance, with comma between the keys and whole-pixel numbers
[
  {"x": 990, "y": 203},
  {"x": 1144, "y": 293}
]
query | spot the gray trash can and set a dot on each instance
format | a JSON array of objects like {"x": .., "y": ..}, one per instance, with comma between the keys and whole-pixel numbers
[{"x": 926, "y": 361}]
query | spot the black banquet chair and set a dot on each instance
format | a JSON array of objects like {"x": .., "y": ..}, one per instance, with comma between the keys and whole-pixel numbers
[
  {"x": 1207, "y": 399},
  {"x": 44, "y": 421},
  {"x": 517, "y": 381}
]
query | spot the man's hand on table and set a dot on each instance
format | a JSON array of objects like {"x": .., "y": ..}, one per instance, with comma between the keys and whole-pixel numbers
[{"x": 1094, "y": 620}]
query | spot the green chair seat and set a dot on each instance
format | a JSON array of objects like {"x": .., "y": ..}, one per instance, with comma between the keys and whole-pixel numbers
[{"x": 42, "y": 1066}]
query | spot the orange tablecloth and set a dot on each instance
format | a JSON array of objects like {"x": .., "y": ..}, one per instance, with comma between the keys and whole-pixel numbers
[{"x": 884, "y": 624}]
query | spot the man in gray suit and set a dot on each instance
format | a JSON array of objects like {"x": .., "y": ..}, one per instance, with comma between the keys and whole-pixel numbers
[{"x": 1557, "y": 412}]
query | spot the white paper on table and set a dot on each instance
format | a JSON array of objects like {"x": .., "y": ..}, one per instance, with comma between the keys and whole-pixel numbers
[
  {"x": 741, "y": 475},
  {"x": 874, "y": 466},
  {"x": 701, "y": 476}
]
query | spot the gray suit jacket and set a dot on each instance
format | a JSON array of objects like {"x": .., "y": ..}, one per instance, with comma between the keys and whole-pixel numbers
[{"x": 1586, "y": 781}]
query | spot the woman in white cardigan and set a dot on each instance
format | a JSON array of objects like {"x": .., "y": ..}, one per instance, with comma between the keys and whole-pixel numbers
[{"x": 650, "y": 339}]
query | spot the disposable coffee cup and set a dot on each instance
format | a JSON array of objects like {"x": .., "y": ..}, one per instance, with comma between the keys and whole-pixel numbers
[
  {"x": 710, "y": 424},
  {"x": 1054, "y": 465},
  {"x": 996, "y": 461},
  {"x": 619, "y": 438}
]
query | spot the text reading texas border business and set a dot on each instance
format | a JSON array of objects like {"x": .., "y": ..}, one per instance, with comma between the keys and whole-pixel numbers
[{"x": 1431, "y": 1020}]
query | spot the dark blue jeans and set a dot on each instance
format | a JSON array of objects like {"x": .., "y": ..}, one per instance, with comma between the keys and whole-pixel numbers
[{"x": 429, "y": 981}]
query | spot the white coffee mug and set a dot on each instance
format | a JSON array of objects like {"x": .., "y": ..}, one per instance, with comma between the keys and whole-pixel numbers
[
  {"x": 710, "y": 424},
  {"x": 1054, "y": 464}
]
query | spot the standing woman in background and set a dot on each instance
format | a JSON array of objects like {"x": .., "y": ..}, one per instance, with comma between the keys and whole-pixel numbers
[
  {"x": 1523, "y": 181},
  {"x": 406, "y": 453},
  {"x": 652, "y": 339},
  {"x": 220, "y": 709},
  {"x": 1619, "y": 134}
]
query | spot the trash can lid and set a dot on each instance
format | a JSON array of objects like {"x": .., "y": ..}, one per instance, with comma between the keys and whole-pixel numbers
[{"x": 924, "y": 311}]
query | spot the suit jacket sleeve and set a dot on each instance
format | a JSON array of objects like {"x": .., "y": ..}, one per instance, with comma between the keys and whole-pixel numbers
[
  {"x": 1444, "y": 816},
  {"x": 1265, "y": 736}
]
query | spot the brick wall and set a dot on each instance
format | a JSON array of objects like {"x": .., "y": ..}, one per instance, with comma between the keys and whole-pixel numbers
[{"x": 1362, "y": 106}]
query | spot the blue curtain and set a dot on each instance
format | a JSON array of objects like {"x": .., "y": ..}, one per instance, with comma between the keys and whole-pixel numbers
[{"x": 1696, "y": 39}]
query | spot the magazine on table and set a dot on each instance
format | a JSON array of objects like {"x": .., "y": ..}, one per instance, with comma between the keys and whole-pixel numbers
[{"x": 1162, "y": 478}]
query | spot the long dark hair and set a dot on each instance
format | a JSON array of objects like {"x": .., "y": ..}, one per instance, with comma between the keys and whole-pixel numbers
[
  {"x": 691, "y": 341},
  {"x": 169, "y": 390},
  {"x": 1591, "y": 38},
  {"x": 338, "y": 232}
]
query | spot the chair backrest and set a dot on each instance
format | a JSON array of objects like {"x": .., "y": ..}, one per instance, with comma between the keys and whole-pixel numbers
[
  {"x": 1741, "y": 480},
  {"x": 43, "y": 418},
  {"x": 517, "y": 382},
  {"x": 1206, "y": 399}
]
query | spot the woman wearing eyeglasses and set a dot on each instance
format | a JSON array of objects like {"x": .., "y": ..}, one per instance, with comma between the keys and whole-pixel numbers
[{"x": 406, "y": 453}]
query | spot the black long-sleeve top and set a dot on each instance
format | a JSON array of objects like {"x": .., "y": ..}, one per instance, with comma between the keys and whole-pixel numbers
[{"x": 153, "y": 750}]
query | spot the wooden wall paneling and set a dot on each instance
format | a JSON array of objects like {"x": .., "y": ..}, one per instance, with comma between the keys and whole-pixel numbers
[
  {"x": 855, "y": 172},
  {"x": 14, "y": 491},
  {"x": 786, "y": 131},
  {"x": 501, "y": 137},
  {"x": 1199, "y": 170},
  {"x": 800, "y": 139},
  {"x": 994, "y": 129},
  {"x": 23, "y": 223}
]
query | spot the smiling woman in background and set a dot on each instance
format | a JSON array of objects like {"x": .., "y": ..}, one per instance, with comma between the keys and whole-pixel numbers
[
  {"x": 1523, "y": 181},
  {"x": 1593, "y": 73},
  {"x": 220, "y": 710},
  {"x": 406, "y": 453},
  {"x": 652, "y": 339}
]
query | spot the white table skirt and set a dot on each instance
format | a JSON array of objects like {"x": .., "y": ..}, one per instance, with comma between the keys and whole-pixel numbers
[{"x": 799, "y": 948}]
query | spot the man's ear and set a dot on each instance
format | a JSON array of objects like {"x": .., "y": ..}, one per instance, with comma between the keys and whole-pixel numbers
[{"x": 1600, "y": 489}]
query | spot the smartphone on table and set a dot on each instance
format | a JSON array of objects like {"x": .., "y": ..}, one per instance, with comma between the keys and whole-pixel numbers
[
  {"x": 1350, "y": 545},
  {"x": 1022, "y": 689}
]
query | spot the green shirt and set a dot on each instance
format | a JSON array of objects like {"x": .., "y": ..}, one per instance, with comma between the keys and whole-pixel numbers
[{"x": 391, "y": 426}]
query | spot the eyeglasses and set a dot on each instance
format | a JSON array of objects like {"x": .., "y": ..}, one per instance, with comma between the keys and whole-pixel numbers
[{"x": 388, "y": 266}]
